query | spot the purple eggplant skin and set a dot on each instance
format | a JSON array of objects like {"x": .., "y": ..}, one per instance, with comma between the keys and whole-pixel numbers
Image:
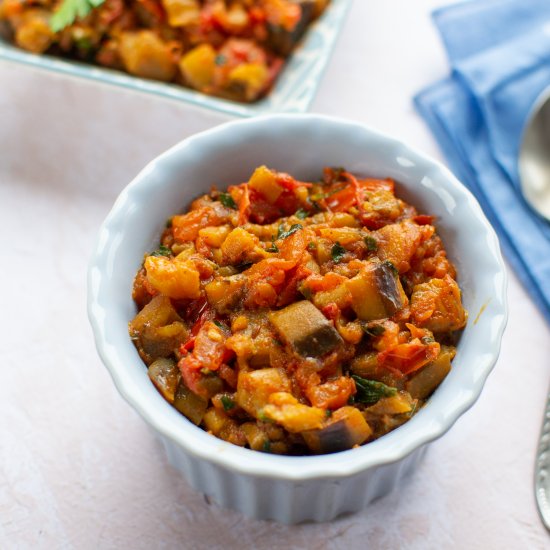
[
  {"x": 305, "y": 329},
  {"x": 386, "y": 281},
  {"x": 333, "y": 438},
  {"x": 281, "y": 41}
]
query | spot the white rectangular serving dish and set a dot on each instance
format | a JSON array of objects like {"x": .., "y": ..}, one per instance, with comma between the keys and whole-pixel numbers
[{"x": 293, "y": 91}]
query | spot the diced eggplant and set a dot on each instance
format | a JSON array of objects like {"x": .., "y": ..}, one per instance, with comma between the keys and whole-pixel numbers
[
  {"x": 164, "y": 374},
  {"x": 389, "y": 287},
  {"x": 283, "y": 41},
  {"x": 377, "y": 292},
  {"x": 224, "y": 293},
  {"x": 345, "y": 428},
  {"x": 427, "y": 379},
  {"x": 189, "y": 404},
  {"x": 303, "y": 327},
  {"x": 157, "y": 330}
]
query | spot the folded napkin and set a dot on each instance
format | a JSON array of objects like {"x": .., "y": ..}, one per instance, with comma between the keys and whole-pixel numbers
[{"x": 499, "y": 51}]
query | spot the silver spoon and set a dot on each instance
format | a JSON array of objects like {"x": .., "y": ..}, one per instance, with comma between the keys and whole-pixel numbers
[
  {"x": 534, "y": 157},
  {"x": 534, "y": 174}
]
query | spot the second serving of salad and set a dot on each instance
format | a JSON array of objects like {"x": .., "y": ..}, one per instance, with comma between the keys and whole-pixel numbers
[{"x": 298, "y": 317}]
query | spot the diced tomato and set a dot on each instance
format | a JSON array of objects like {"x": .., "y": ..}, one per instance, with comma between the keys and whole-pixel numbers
[
  {"x": 190, "y": 367},
  {"x": 406, "y": 358},
  {"x": 244, "y": 204},
  {"x": 261, "y": 211},
  {"x": 332, "y": 394},
  {"x": 289, "y": 292},
  {"x": 358, "y": 191},
  {"x": 423, "y": 219},
  {"x": 331, "y": 311},
  {"x": 289, "y": 183},
  {"x": 229, "y": 375},
  {"x": 319, "y": 283},
  {"x": 287, "y": 203},
  {"x": 294, "y": 246},
  {"x": 342, "y": 200}
]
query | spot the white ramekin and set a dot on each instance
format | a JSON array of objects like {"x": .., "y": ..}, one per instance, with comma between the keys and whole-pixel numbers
[{"x": 294, "y": 489}]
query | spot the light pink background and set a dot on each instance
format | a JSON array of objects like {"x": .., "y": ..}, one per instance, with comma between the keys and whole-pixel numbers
[{"x": 78, "y": 468}]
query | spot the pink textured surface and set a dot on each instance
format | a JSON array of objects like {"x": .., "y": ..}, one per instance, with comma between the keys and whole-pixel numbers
[{"x": 78, "y": 468}]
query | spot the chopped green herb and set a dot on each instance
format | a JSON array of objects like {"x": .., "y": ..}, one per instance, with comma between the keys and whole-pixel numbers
[
  {"x": 337, "y": 252},
  {"x": 83, "y": 43},
  {"x": 391, "y": 266},
  {"x": 328, "y": 413},
  {"x": 162, "y": 251},
  {"x": 317, "y": 197},
  {"x": 266, "y": 447},
  {"x": 227, "y": 403},
  {"x": 284, "y": 234},
  {"x": 301, "y": 214},
  {"x": 264, "y": 418},
  {"x": 221, "y": 325},
  {"x": 70, "y": 11},
  {"x": 220, "y": 59},
  {"x": 370, "y": 392},
  {"x": 227, "y": 200},
  {"x": 273, "y": 247},
  {"x": 371, "y": 242},
  {"x": 427, "y": 340},
  {"x": 373, "y": 330},
  {"x": 311, "y": 246}
]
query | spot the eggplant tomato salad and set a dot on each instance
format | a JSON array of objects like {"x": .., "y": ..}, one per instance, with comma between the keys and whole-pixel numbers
[
  {"x": 298, "y": 317},
  {"x": 228, "y": 48}
]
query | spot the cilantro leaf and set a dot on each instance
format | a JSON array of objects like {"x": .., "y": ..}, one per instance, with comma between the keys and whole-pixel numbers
[
  {"x": 220, "y": 59},
  {"x": 227, "y": 403},
  {"x": 372, "y": 243},
  {"x": 281, "y": 234},
  {"x": 337, "y": 252},
  {"x": 162, "y": 251},
  {"x": 221, "y": 325},
  {"x": 370, "y": 392},
  {"x": 227, "y": 200},
  {"x": 70, "y": 11},
  {"x": 301, "y": 214}
]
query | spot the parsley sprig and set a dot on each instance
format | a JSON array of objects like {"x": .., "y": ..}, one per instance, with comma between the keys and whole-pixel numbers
[
  {"x": 337, "y": 251},
  {"x": 282, "y": 234},
  {"x": 371, "y": 391},
  {"x": 70, "y": 11},
  {"x": 162, "y": 251},
  {"x": 227, "y": 200}
]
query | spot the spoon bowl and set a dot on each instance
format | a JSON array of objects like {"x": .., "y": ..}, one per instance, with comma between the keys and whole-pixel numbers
[{"x": 534, "y": 157}]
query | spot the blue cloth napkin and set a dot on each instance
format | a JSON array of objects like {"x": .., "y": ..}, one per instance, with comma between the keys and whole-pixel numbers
[{"x": 499, "y": 51}]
